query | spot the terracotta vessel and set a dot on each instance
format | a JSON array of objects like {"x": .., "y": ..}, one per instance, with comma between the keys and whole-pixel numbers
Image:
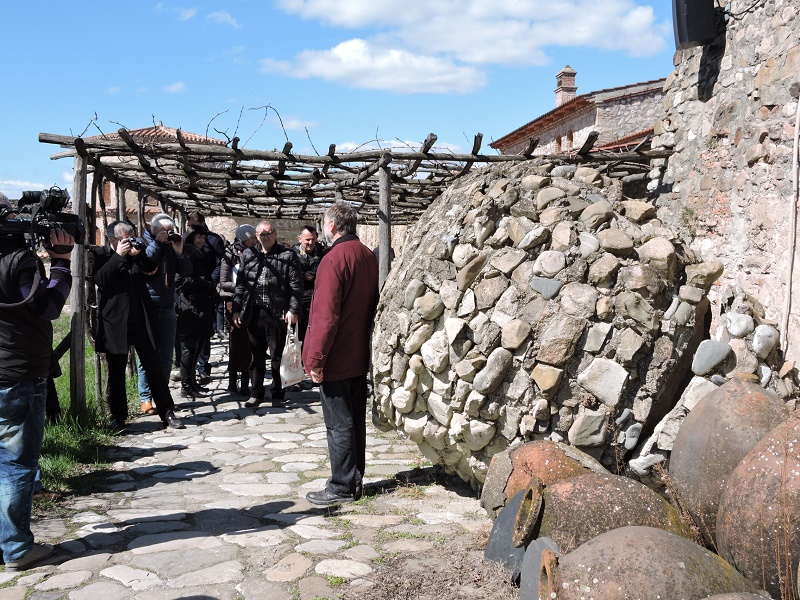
[
  {"x": 641, "y": 563},
  {"x": 575, "y": 510},
  {"x": 719, "y": 431},
  {"x": 512, "y": 471},
  {"x": 758, "y": 525}
]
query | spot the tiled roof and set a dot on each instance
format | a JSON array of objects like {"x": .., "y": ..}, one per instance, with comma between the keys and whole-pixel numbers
[
  {"x": 161, "y": 133},
  {"x": 627, "y": 141},
  {"x": 576, "y": 104}
]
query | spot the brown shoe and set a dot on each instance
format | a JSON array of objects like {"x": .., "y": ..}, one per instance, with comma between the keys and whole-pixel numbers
[{"x": 148, "y": 408}]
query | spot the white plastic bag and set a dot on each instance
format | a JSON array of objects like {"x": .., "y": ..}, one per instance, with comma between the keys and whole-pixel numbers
[{"x": 291, "y": 359}]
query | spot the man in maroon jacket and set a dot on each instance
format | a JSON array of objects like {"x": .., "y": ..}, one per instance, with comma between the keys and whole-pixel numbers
[{"x": 336, "y": 350}]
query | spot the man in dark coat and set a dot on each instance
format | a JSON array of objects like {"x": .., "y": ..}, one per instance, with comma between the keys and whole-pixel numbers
[
  {"x": 128, "y": 318},
  {"x": 336, "y": 350},
  {"x": 309, "y": 253},
  {"x": 268, "y": 296}
]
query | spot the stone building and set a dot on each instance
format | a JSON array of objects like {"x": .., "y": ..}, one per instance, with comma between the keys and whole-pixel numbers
[
  {"x": 628, "y": 112},
  {"x": 730, "y": 114}
]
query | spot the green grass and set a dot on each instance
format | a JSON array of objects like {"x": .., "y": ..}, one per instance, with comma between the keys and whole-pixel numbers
[{"x": 74, "y": 445}]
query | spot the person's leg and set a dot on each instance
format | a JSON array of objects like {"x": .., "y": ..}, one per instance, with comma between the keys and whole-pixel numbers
[
  {"x": 188, "y": 353},
  {"x": 150, "y": 362},
  {"x": 22, "y": 407},
  {"x": 203, "y": 357},
  {"x": 116, "y": 399},
  {"x": 342, "y": 437},
  {"x": 167, "y": 329},
  {"x": 143, "y": 384},
  {"x": 276, "y": 334},
  {"x": 258, "y": 353},
  {"x": 358, "y": 406}
]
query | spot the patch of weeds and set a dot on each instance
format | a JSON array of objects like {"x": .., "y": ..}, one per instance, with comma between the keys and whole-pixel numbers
[
  {"x": 335, "y": 580},
  {"x": 340, "y": 522},
  {"x": 415, "y": 521},
  {"x": 294, "y": 593},
  {"x": 439, "y": 539}
]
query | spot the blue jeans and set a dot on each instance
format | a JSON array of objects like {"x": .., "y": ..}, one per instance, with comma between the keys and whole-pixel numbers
[
  {"x": 22, "y": 406},
  {"x": 164, "y": 332}
]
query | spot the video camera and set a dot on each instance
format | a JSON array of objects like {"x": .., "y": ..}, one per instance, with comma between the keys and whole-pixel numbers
[{"x": 38, "y": 213}]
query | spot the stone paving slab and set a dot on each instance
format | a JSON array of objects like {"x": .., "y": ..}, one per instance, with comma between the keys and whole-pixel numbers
[{"x": 218, "y": 511}]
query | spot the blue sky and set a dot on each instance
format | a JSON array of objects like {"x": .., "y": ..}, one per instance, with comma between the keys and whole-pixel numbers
[{"x": 348, "y": 71}]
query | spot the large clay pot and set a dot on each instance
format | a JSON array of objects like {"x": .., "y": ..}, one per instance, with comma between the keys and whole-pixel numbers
[
  {"x": 737, "y": 596},
  {"x": 758, "y": 525},
  {"x": 573, "y": 511},
  {"x": 719, "y": 431},
  {"x": 638, "y": 562},
  {"x": 512, "y": 471}
]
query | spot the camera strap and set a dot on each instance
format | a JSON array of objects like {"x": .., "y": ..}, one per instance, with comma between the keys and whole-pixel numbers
[{"x": 37, "y": 280}]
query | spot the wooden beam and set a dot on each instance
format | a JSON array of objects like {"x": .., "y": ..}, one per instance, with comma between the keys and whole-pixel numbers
[
  {"x": 77, "y": 301},
  {"x": 426, "y": 146},
  {"x": 476, "y": 146},
  {"x": 589, "y": 143}
]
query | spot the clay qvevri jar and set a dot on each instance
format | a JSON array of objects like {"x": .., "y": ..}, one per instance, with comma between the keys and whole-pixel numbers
[
  {"x": 638, "y": 563},
  {"x": 719, "y": 431},
  {"x": 573, "y": 511},
  {"x": 511, "y": 471},
  {"x": 758, "y": 524}
]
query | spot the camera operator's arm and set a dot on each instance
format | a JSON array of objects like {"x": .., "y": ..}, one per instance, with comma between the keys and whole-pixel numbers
[{"x": 50, "y": 299}]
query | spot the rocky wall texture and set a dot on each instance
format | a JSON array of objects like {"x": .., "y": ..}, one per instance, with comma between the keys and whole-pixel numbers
[
  {"x": 729, "y": 114},
  {"x": 533, "y": 301}
]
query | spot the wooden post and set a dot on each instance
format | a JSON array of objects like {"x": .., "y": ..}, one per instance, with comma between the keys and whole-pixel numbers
[
  {"x": 121, "y": 212},
  {"x": 385, "y": 219},
  {"x": 77, "y": 300},
  {"x": 140, "y": 213}
]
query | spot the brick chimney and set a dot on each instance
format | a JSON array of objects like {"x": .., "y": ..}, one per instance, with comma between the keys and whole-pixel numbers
[{"x": 565, "y": 85}]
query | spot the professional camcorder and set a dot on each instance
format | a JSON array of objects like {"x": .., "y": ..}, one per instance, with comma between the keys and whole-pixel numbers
[{"x": 38, "y": 213}]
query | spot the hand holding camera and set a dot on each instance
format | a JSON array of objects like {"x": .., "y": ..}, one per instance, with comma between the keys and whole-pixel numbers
[{"x": 61, "y": 244}]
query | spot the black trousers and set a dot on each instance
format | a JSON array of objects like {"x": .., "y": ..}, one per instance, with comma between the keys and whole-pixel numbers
[
  {"x": 116, "y": 397},
  {"x": 266, "y": 331},
  {"x": 191, "y": 349},
  {"x": 344, "y": 408}
]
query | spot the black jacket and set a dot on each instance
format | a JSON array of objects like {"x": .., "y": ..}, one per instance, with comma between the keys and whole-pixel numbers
[
  {"x": 308, "y": 264},
  {"x": 123, "y": 298},
  {"x": 284, "y": 286},
  {"x": 195, "y": 295}
]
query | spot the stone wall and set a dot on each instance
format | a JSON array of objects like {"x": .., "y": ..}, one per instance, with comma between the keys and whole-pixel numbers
[
  {"x": 730, "y": 111},
  {"x": 625, "y": 116},
  {"x": 534, "y": 301}
]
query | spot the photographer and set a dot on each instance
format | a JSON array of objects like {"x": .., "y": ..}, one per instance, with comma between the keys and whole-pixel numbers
[
  {"x": 29, "y": 303},
  {"x": 165, "y": 247},
  {"x": 128, "y": 318}
]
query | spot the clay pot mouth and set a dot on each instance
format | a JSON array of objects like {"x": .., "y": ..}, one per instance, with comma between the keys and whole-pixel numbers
[
  {"x": 549, "y": 575},
  {"x": 527, "y": 522}
]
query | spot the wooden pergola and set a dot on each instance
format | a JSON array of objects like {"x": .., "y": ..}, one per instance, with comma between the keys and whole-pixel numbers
[{"x": 386, "y": 186}]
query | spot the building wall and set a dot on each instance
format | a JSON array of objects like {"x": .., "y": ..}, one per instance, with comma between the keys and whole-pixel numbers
[
  {"x": 628, "y": 115},
  {"x": 730, "y": 112},
  {"x": 613, "y": 118}
]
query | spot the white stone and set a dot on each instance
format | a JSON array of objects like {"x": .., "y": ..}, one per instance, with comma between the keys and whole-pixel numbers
[
  {"x": 739, "y": 325},
  {"x": 478, "y": 434},
  {"x": 765, "y": 338},
  {"x": 549, "y": 263},
  {"x": 349, "y": 569}
]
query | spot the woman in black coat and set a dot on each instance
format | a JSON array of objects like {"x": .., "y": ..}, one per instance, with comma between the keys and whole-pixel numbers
[{"x": 195, "y": 311}]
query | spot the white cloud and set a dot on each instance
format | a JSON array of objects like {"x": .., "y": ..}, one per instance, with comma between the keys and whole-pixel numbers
[
  {"x": 113, "y": 89},
  {"x": 67, "y": 176},
  {"x": 222, "y": 17},
  {"x": 175, "y": 88},
  {"x": 187, "y": 13},
  {"x": 361, "y": 64},
  {"x": 502, "y": 32},
  {"x": 13, "y": 188},
  {"x": 294, "y": 124}
]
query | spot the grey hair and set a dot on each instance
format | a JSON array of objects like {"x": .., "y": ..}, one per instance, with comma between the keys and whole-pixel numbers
[
  {"x": 160, "y": 221},
  {"x": 122, "y": 227},
  {"x": 344, "y": 216},
  {"x": 5, "y": 202}
]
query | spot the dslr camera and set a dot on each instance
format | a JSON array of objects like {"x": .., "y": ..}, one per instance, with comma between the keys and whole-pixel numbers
[
  {"x": 174, "y": 236},
  {"x": 137, "y": 244},
  {"x": 38, "y": 213}
]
